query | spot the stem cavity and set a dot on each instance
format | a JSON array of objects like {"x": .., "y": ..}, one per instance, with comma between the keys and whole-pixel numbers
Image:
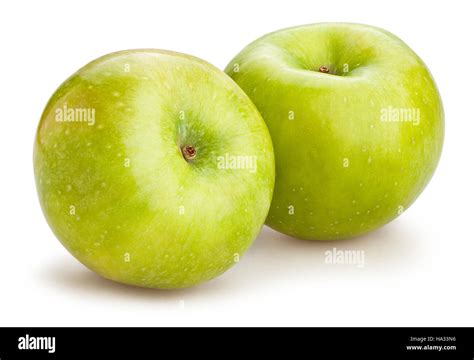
[
  {"x": 189, "y": 152},
  {"x": 324, "y": 69}
]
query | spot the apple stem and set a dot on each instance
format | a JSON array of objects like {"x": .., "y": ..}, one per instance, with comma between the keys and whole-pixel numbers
[
  {"x": 324, "y": 69},
  {"x": 189, "y": 152}
]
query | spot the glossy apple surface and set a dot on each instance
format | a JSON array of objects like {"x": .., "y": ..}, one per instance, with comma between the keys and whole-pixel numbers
[
  {"x": 356, "y": 121},
  {"x": 153, "y": 168}
]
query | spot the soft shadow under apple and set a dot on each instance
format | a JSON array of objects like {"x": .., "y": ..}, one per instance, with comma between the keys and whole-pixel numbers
[{"x": 273, "y": 256}]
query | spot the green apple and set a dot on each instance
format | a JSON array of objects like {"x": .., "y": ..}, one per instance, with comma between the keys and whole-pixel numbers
[
  {"x": 153, "y": 168},
  {"x": 356, "y": 121}
]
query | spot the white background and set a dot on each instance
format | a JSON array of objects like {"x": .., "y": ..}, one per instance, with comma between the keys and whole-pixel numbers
[{"x": 419, "y": 269}]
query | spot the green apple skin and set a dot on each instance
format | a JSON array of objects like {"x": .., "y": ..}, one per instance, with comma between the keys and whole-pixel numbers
[
  {"x": 343, "y": 166},
  {"x": 118, "y": 191}
]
